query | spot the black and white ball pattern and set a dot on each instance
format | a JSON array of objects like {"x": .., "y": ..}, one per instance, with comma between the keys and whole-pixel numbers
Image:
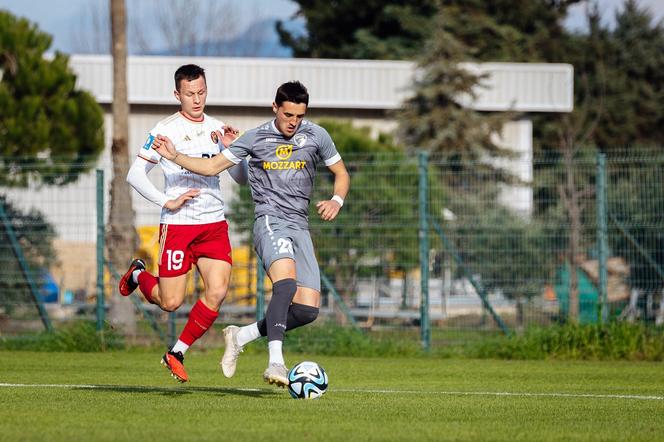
[{"x": 307, "y": 380}]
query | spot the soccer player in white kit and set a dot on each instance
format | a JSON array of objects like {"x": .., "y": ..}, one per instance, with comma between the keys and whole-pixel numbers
[
  {"x": 193, "y": 229},
  {"x": 283, "y": 156}
]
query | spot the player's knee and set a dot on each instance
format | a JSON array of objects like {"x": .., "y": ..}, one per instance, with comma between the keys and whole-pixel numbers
[
  {"x": 170, "y": 305},
  {"x": 215, "y": 295},
  {"x": 304, "y": 313}
]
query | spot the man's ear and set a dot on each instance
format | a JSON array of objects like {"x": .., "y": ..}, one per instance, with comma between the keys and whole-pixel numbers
[
  {"x": 176, "y": 94},
  {"x": 275, "y": 108}
]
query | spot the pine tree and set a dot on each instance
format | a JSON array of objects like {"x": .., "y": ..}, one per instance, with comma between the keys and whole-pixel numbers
[
  {"x": 50, "y": 132},
  {"x": 372, "y": 29},
  {"x": 635, "y": 86},
  {"x": 437, "y": 117},
  {"x": 509, "y": 30}
]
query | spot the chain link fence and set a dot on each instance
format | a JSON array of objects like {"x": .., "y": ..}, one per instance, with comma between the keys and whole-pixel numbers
[{"x": 430, "y": 250}]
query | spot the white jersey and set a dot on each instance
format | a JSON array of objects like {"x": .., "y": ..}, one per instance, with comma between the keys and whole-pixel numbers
[{"x": 195, "y": 139}]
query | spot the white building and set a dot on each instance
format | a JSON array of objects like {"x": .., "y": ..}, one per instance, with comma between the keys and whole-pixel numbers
[{"x": 363, "y": 91}]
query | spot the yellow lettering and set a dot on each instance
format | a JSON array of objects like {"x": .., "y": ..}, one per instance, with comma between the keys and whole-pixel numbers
[{"x": 284, "y": 165}]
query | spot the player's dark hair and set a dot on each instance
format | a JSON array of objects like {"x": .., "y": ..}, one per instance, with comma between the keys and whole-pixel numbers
[
  {"x": 293, "y": 91},
  {"x": 188, "y": 72}
]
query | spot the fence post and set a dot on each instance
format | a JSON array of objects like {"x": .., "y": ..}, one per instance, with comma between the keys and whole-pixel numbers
[
  {"x": 425, "y": 330},
  {"x": 101, "y": 311},
  {"x": 260, "y": 289},
  {"x": 602, "y": 242}
]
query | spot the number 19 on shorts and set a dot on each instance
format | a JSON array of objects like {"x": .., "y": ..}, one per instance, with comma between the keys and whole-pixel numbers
[{"x": 175, "y": 258}]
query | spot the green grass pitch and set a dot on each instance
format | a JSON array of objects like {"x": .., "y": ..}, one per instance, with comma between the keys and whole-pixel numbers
[{"x": 129, "y": 396}]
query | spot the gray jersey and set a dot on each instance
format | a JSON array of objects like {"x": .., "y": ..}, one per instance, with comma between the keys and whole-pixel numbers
[{"x": 282, "y": 170}]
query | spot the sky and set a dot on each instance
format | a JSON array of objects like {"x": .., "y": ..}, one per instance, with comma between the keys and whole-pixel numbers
[
  {"x": 576, "y": 17},
  {"x": 61, "y": 17}
]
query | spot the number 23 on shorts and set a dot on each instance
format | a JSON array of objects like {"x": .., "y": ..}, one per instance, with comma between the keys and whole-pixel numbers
[{"x": 285, "y": 246}]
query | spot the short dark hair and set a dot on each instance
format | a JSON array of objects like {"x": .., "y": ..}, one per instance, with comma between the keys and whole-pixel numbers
[
  {"x": 188, "y": 72},
  {"x": 293, "y": 91}
]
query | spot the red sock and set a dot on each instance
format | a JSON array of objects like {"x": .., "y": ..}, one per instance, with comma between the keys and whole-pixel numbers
[
  {"x": 200, "y": 319},
  {"x": 146, "y": 282}
]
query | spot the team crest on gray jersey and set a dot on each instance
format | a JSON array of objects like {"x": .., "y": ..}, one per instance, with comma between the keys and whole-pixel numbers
[{"x": 300, "y": 139}]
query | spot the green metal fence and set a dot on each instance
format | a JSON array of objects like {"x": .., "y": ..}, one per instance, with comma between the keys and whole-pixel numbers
[{"x": 436, "y": 251}]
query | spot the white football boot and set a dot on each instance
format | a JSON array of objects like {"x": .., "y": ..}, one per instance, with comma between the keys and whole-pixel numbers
[
  {"x": 231, "y": 352},
  {"x": 276, "y": 374}
]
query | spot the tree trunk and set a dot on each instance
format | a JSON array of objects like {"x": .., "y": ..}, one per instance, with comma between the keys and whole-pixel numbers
[
  {"x": 575, "y": 130},
  {"x": 122, "y": 239}
]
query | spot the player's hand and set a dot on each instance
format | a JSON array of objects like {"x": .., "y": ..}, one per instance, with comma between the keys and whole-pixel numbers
[
  {"x": 164, "y": 147},
  {"x": 178, "y": 202},
  {"x": 328, "y": 209},
  {"x": 230, "y": 135}
]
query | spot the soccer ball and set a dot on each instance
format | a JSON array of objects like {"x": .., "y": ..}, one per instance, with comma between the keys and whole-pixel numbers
[{"x": 307, "y": 380}]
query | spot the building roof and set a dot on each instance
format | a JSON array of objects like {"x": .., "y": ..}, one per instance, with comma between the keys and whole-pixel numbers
[{"x": 334, "y": 84}]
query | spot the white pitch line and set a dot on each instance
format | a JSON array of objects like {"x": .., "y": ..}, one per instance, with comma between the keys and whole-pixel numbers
[
  {"x": 508, "y": 393},
  {"x": 346, "y": 390},
  {"x": 126, "y": 387}
]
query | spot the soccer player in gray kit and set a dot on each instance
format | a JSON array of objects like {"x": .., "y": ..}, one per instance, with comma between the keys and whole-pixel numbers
[{"x": 282, "y": 158}]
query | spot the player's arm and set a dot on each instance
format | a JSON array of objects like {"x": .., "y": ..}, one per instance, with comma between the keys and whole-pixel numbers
[
  {"x": 329, "y": 209},
  {"x": 239, "y": 172},
  {"x": 202, "y": 166},
  {"x": 138, "y": 179}
]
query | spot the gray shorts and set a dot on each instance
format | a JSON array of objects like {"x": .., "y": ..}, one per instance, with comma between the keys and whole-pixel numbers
[{"x": 276, "y": 238}]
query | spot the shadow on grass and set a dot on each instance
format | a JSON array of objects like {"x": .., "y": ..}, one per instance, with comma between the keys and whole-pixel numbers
[{"x": 172, "y": 391}]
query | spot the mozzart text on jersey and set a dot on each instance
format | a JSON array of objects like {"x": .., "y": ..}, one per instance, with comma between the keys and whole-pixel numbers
[{"x": 283, "y": 165}]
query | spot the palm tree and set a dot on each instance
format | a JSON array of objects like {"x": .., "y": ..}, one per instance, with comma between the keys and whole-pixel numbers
[{"x": 122, "y": 239}]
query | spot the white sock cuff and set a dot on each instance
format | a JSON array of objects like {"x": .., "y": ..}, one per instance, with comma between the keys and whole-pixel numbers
[
  {"x": 247, "y": 334},
  {"x": 276, "y": 354},
  {"x": 180, "y": 347},
  {"x": 134, "y": 275}
]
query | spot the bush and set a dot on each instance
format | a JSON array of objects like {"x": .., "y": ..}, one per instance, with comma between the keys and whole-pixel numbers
[
  {"x": 614, "y": 341},
  {"x": 80, "y": 336},
  {"x": 617, "y": 340}
]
